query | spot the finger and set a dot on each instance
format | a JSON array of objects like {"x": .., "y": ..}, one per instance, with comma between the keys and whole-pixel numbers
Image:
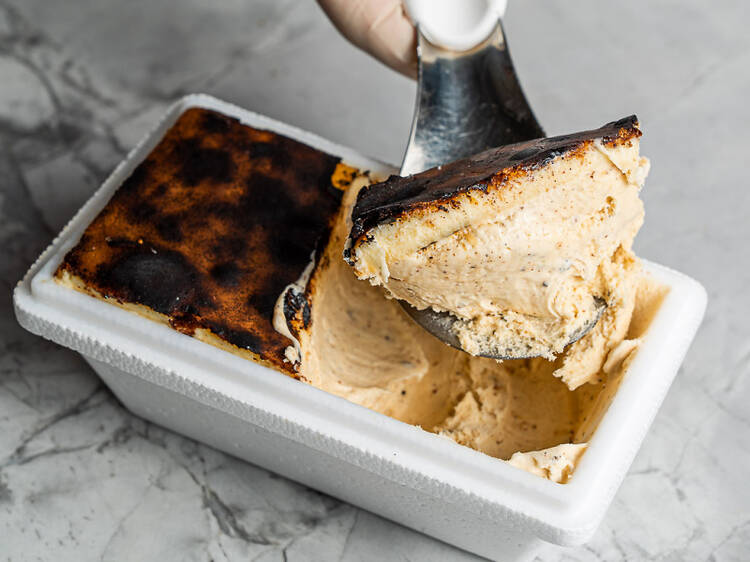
[{"x": 379, "y": 27}]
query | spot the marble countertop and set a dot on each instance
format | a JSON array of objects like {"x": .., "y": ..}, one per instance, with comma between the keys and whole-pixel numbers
[{"x": 81, "y": 478}]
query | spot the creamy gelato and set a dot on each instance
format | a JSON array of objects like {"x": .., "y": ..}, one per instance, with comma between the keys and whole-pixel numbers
[
  {"x": 521, "y": 244},
  {"x": 556, "y": 463}
]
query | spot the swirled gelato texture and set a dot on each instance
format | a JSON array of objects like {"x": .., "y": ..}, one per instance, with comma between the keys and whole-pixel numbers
[{"x": 362, "y": 346}]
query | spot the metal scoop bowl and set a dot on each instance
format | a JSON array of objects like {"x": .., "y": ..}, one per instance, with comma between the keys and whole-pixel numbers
[{"x": 441, "y": 325}]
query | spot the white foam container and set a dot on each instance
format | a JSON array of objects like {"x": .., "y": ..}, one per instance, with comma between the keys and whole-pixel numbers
[{"x": 399, "y": 471}]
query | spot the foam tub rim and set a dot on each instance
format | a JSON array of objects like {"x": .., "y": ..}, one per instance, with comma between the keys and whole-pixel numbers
[{"x": 404, "y": 454}]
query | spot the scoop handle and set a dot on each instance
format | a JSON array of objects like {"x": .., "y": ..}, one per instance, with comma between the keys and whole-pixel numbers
[
  {"x": 457, "y": 25},
  {"x": 467, "y": 102}
]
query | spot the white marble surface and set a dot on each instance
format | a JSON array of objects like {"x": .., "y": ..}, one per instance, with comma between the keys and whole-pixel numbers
[{"x": 80, "y": 81}]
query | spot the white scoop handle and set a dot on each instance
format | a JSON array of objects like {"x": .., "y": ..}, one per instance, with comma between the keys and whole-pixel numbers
[{"x": 458, "y": 25}]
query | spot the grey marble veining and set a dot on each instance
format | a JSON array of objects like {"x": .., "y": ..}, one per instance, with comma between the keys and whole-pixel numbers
[{"x": 81, "y": 81}]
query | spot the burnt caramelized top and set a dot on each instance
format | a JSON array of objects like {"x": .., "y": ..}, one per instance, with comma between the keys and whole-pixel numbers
[
  {"x": 395, "y": 197},
  {"x": 211, "y": 227}
]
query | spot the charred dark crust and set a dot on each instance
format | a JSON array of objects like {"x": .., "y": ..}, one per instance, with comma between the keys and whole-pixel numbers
[
  {"x": 296, "y": 303},
  {"x": 436, "y": 188},
  {"x": 297, "y": 312},
  {"x": 211, "y": 227}
]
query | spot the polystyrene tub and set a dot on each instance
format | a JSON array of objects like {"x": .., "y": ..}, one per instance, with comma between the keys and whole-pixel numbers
[{"x": 399, "y": 471}]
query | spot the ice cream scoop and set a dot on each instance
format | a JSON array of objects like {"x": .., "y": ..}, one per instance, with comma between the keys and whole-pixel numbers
[
  {"x": 469, "y": 99},
  {"x": 442, "y": 326}
]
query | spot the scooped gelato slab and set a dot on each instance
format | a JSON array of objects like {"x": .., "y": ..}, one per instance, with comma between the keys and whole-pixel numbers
[{"x": 521, "y": 243}]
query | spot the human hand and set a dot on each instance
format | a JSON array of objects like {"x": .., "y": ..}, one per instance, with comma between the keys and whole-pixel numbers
[{"x": 378, "y": 27}]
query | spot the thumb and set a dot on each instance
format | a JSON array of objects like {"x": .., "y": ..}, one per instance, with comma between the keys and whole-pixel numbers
[{"x": 379, "y": 27}]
